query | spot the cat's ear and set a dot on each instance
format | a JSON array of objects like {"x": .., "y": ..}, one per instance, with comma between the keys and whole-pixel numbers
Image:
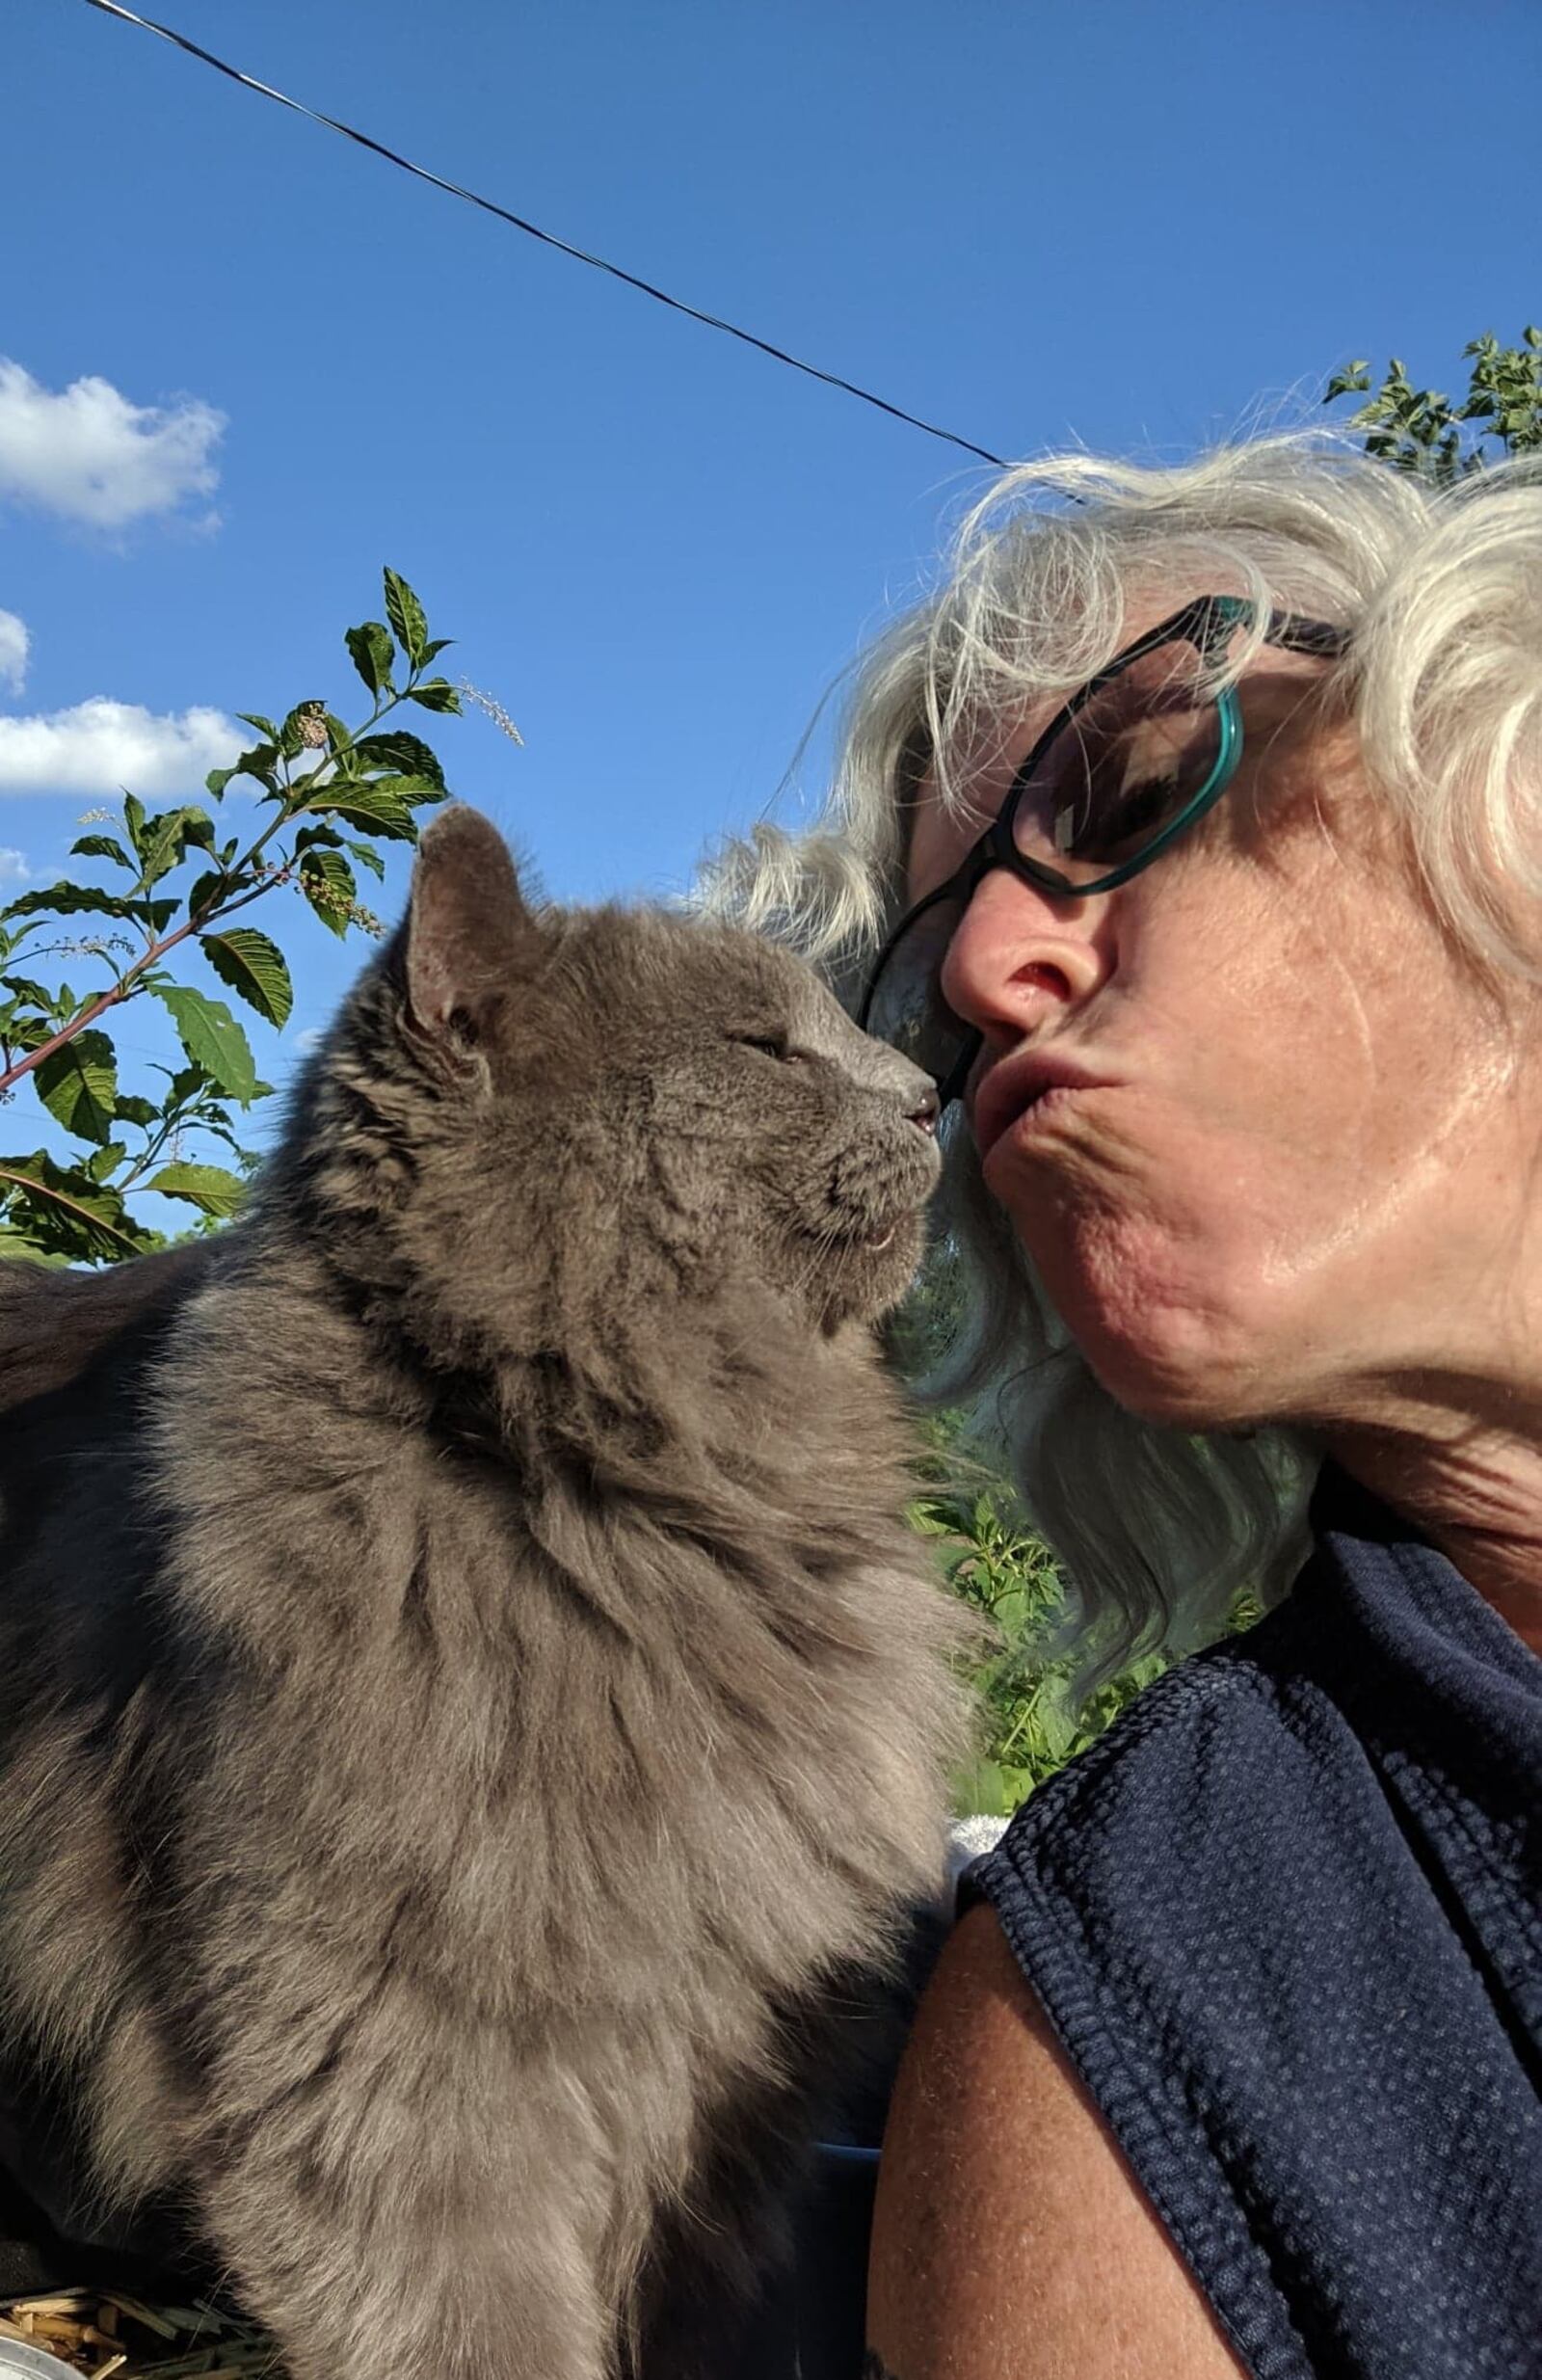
[{"x": 470, "y": 937}]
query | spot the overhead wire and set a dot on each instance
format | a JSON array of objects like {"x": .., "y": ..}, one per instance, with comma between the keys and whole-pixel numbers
[{"x": 490, "y": 206}]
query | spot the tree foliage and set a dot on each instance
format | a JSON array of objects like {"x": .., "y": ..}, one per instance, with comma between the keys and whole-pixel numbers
[
  {"x": 1031, "y": 1718},
  {"x": 1420, "y": 430},
  {"x": 161, "y": 887}
]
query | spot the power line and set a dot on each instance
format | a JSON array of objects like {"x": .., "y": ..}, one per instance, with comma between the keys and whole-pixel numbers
[{"x": 489, "y": 207}]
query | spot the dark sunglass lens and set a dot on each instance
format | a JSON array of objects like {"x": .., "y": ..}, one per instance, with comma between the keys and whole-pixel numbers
[
  {"x": 1123, "y": 767},
  {"x": 905, "y": 1004}
]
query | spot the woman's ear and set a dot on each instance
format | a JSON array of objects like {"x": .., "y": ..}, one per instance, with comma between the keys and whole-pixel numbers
[{"x": 470, "y": 937}]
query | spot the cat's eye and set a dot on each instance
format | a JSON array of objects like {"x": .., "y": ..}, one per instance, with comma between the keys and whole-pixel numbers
[{"x": 772, "y": 1045}]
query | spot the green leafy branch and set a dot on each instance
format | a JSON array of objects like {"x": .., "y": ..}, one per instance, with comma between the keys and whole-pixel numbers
[
  {"x": 1034, "y": 1720},
  {"x": 328, "y": 796},
  {"x": 1420, "y": 430}
]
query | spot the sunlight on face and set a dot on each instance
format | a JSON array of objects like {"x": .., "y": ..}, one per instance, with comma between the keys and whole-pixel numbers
[{"x": 1264, "y": 1141}]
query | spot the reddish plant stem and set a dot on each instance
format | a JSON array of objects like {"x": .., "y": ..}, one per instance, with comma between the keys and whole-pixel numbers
[
  {"x": 125, "y": 983},
  {"x": 97, "y": 1007}
]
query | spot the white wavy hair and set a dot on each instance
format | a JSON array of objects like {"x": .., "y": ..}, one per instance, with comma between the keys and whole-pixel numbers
[{"x": 1441, "y": 590}]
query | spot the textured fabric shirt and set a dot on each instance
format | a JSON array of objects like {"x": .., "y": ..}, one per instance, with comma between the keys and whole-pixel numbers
[{"x": 1286, "y": 1919}]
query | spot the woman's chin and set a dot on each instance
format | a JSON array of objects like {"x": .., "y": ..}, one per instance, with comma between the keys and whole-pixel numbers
[{"x": 1166, "y": 1349}]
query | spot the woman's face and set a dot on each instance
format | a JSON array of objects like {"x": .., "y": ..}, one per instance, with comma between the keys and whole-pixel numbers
[{"x": 1286, "y": 1177}]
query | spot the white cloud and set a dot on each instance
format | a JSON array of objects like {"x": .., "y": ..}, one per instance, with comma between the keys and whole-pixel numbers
[
  {"x": 89, "y": 454},
  {"x": 14, "y": 868},
  {"x": 14, "y": 645},
  {"x": 99, "y": 745}
]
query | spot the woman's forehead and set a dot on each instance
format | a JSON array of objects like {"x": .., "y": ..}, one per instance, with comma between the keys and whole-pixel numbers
[
  {"x": 942, "y": 832},
  {"x": 982, "y": 757}
]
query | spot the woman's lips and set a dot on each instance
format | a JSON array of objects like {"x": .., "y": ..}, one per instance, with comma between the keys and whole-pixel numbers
[{"x": 1032, "y": 1087}]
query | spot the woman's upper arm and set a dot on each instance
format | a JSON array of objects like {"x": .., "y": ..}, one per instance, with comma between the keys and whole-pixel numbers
[{"x": 1011, "y": 2240}]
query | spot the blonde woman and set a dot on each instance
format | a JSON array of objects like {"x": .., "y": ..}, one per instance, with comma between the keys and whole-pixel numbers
[{"x": 1192, "y": 836}]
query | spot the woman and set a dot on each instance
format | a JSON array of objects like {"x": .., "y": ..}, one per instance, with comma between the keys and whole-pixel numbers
[{"x": 1211, "y": 798}]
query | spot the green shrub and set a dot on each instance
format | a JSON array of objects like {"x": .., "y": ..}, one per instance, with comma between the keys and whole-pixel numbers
[{"x": 1033, "y": 1720}]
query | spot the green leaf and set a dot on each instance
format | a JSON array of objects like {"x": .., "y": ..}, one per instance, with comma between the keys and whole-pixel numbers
[
  {"x": 405, "y": 755},
  {"x": 434, "y": 648},
  {"x": 340, "y": 738},
  {"x": 106, "y": 1160},
  {"x": 218, "y": 779},
  {"x": 209, "y": 1187},
  {"x": 1057, "y": 1728},
  {"x": 78, "y": 1085},
  {"x": 1354, "y": 378},
  {"x": 377, "y": 805},
  {"x": 368, "y": 857},
  {"x": 131, "y": 1109},
  {"x": 208, "y": 891},
  {"x": 212, "y": 1039},
  {"x": 103, "y": 847},
  {"x": 66, "y": 897},
  {"x": 412, "y": 789},
  {"x": 187, "y": 1082},
  {"x": 373, "y": 653},
  {"x": 164, "y": 838},
  {"x": 405, "y": 613},
  {"x": 16, "y": 1246},
  {"x": 329, "y": 884},
  {"x": 264, "y": 727},
  {"x": 260, "y": 761},
  {"x": 36, "y": 995},
  {"x": 23, "y": 1031},
  {"x": 255, "y": 967},
  {"x": 134, "y": 816},
  {"x": 985, "y": 1789},
  {"x": 436, "y": 694},
  {"x": 60, "y": 1211}
]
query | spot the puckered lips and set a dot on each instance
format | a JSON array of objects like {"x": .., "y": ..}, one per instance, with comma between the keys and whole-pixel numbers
[{"x": 1014, "y": 1086}]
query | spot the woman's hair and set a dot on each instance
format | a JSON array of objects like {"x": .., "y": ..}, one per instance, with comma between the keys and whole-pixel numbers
[{"x": 1442, "y": 589}]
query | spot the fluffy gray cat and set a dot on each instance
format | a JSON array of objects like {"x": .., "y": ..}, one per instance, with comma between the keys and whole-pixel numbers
[{"x": 473, "y": 1722}]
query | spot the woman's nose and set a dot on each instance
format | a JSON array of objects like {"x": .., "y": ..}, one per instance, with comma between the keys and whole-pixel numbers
[{"x": 1019, "y": 953}]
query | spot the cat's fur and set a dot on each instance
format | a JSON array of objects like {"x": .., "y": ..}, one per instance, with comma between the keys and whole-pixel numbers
[{"x": 473, "y": 1717}]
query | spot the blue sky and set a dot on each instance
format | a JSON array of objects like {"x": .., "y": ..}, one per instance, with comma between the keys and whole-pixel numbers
[{"x": 1116, "y": 222}]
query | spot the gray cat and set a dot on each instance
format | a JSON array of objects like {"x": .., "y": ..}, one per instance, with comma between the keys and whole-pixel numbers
[{"x": 473, "y": 1721}]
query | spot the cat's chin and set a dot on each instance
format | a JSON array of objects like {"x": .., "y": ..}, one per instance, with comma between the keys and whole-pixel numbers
[{"x": 875, "y": 1269}]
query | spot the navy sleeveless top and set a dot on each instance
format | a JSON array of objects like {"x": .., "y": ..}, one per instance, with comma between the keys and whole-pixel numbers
[{"x": 1286, "y": 1919}]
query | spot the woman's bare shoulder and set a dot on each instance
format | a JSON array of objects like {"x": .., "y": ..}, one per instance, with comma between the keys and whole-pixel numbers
[{"x": 1011, "y": 2240}]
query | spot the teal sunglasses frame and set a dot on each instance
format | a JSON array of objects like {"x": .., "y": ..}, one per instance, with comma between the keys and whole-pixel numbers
[{"x": 1210, "y": 623}]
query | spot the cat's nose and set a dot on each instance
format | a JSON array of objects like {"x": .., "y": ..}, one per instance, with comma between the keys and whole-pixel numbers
[{"x": 926, "y": 1110}]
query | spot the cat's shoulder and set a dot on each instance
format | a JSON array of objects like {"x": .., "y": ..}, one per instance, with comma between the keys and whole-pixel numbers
[{"x": 56, "y": 1322}]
